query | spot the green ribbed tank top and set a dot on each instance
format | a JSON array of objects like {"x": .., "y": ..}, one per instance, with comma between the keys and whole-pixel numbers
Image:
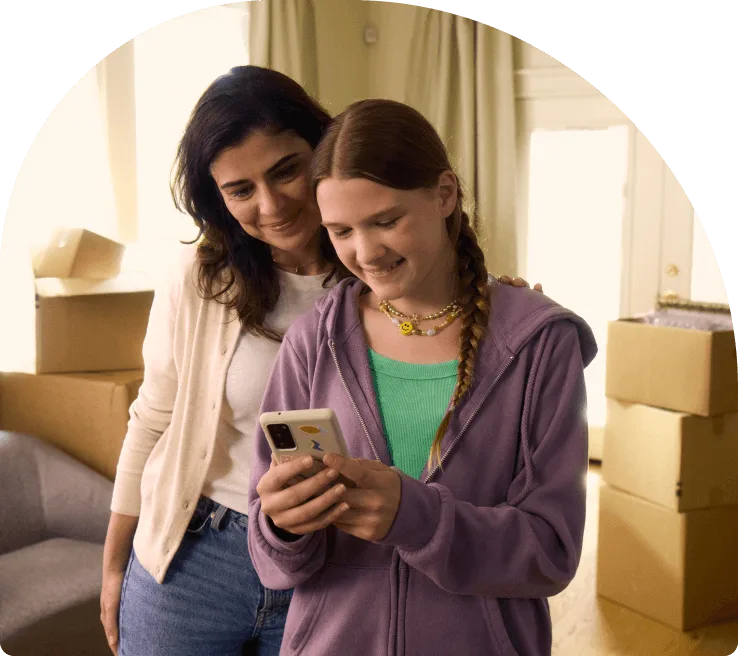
[{"x": 412, "y": 400}]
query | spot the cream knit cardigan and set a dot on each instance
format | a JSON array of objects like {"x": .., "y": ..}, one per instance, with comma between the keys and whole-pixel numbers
[{"x": 171, "y": 432}]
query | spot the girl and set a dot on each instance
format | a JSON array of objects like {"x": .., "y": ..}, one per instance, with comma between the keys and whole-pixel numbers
[
  {"x": 177, "y": 577},
  {"x": 463, "y": 407}
]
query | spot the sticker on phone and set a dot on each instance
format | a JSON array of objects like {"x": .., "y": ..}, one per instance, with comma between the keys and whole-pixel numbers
[{"x": 312, "y": 430}]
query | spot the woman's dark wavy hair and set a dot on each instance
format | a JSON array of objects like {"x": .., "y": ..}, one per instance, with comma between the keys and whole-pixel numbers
[{"x": 234, "y": 268}]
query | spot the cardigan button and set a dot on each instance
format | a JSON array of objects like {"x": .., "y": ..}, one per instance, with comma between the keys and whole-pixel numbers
[{"x": 186, "y": 505}]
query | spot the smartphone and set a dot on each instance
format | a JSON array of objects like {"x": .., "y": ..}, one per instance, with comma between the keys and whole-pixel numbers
[{"x": 298, "y": 433}]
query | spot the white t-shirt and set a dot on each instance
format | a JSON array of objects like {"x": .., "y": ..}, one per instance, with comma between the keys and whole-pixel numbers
[{"x": 227, "y": 480}]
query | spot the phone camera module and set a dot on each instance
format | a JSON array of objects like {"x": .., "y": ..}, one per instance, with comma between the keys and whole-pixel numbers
[{"x": 281, "y": 436}]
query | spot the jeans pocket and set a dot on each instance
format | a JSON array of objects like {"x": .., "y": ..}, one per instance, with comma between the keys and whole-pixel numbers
[{"x": 199, "y": 523}]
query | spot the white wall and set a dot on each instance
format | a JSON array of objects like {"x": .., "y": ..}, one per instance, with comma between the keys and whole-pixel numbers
[
  {"x": 65, "y": 180},
  {"x": 707, "y": 282}
]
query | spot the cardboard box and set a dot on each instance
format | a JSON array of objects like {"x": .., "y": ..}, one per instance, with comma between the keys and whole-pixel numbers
[
  {"x": 677, "y": 568},
  {"x": 85, "y": 415},
  {"x": 79, "y": 253},
  {"x": 87, "y": 325},
  {"x": 691, "y": 371},
  {"x": 680, "y": 461}
]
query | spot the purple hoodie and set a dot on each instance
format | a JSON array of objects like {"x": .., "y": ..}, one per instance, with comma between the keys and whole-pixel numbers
[{"x": 477, "y": 546}]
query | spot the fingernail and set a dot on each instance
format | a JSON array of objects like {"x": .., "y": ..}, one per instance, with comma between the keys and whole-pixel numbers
[
  {"x": 332, "y": 473},
  {"x": 306, "y": 462},
  {"x": 344, "y": 507},
  {"x": 340, "y": 489}
]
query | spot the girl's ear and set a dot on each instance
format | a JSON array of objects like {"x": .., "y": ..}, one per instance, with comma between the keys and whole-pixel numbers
[{"x": 448, "y": 192}]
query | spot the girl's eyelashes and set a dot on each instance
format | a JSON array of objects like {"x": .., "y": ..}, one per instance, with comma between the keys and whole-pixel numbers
[{"x": 340, "y": 233}]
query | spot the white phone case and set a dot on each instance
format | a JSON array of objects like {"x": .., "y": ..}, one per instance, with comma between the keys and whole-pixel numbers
[{"x": 315, "y": 432}]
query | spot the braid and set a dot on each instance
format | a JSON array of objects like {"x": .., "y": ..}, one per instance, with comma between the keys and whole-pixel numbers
[{"x": 474, "y": 300}]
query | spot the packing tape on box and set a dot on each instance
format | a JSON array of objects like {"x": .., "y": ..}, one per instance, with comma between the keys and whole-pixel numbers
[
  {"x": 672, "y": 311},
  {"x": 671, "y": 300}
]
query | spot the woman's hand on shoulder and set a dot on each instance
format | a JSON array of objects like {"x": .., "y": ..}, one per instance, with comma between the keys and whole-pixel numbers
[{"x": 519, "y": 282}]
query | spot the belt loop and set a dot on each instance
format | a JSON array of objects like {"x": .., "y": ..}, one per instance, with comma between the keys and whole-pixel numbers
[{"x": 216, "y": 516}]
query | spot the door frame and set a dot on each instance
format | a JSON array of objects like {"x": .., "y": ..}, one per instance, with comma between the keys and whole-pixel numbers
[{"x": 657, "y": 225}]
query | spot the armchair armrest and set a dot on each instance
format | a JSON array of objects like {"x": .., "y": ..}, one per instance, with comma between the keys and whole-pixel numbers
[
  {"x": 74, "y": 500},
  {"x": 21, "y": 510}
]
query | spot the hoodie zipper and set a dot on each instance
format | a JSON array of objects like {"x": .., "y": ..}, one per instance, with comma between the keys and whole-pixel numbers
[
  {"x": 471, "y": 417},
  {"x": 398, "y": 567},
  {"x": 332, "y": 345},
  {"x": 399, "y": 646}
]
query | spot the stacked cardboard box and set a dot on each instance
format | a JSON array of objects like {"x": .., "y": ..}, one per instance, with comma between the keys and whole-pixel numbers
[
  {"x": 90, "y": 322},
  {"x": 668, "y": 526}
]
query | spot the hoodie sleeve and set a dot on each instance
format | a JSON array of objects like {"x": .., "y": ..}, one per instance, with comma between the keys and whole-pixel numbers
[
  {"x": 530, "y": 545},
  {"x": 281, "y": 564}
]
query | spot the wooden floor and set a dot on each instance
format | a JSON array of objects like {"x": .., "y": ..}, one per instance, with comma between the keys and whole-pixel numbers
[{"x": 587, "y": 625}]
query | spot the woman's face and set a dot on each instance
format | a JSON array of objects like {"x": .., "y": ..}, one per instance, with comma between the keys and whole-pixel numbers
[
  {"x": 264, "y": 184},
  {"x": 396, "y": 241}
]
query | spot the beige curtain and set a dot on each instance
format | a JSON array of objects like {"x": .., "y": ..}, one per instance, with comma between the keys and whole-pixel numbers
[
  {"x": 461, "y": 77},
  {"x": 282, "y": 37}
]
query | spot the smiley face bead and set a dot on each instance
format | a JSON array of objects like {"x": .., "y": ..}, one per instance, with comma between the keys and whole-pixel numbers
[{"x": 406, "y": 328}]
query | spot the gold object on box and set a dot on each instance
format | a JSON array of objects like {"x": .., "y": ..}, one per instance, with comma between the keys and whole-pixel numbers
[{"x": 672, "y": 300}]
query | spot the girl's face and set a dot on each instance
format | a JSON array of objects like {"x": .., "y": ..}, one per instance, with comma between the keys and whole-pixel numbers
[
  {"x": 264, "y": 184},
  {"x": 396, "y": 241}
]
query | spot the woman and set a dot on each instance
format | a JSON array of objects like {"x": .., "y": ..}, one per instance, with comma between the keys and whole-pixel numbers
[
  {"x": 176, "y": 570},
  {"x": 462, "y": 403}
]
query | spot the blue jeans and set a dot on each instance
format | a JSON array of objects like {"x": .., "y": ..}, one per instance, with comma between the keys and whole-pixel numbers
[{"x": 211, "y": 602}]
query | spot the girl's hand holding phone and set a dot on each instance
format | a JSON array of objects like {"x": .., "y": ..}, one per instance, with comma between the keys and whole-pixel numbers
[
  {"x": 292, "y": 508},
  {"x": 373, "y": 503}
]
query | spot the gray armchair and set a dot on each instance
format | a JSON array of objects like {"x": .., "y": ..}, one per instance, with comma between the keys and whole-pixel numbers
[{"x": 53, "y": 517}]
